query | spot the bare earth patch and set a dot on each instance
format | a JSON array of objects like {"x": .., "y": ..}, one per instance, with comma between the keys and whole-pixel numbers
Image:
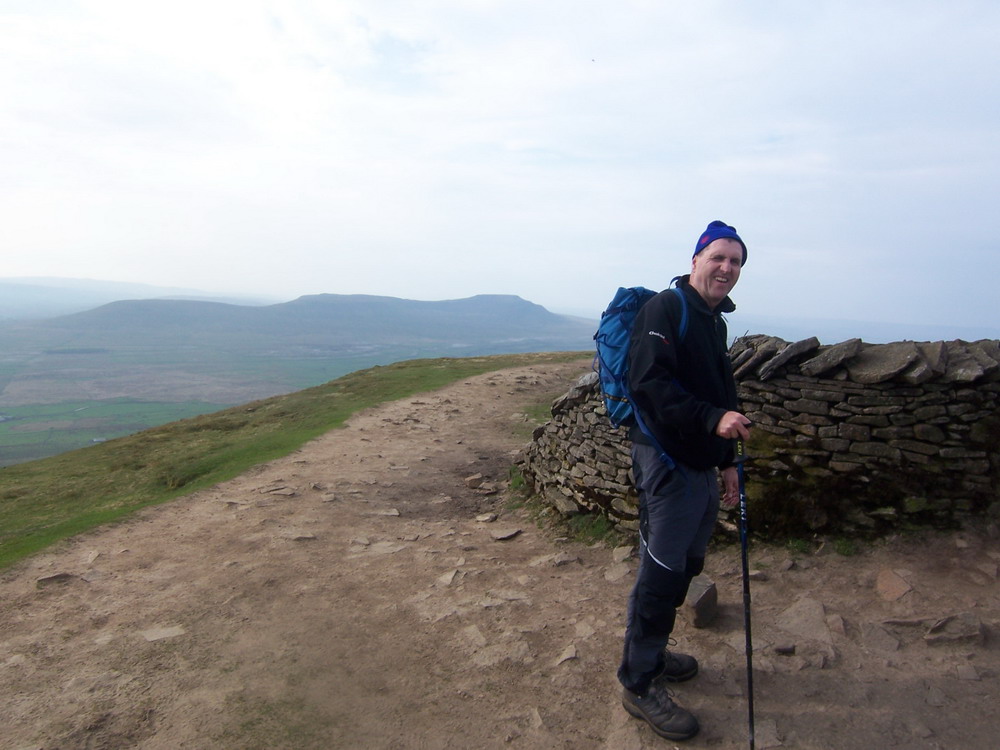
[{"x": 364, "y": 593}]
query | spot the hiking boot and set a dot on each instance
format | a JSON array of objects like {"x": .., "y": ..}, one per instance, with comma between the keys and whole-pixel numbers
[
  {"x": 658, "y": 709},
  {"x": 677, "y": 667}
]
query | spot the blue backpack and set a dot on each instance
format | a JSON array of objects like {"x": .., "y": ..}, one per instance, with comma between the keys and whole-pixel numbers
[{"x": 611, "y": 361}]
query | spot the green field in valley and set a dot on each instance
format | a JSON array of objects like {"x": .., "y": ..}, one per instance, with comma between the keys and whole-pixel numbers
[{"x": 28, "y": 433}]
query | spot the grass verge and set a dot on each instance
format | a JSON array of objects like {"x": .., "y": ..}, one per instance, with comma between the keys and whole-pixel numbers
[{"x": 46, "y": 501}]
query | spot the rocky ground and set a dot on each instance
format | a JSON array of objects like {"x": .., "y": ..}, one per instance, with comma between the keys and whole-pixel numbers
[{"x": 365, "y": 592}]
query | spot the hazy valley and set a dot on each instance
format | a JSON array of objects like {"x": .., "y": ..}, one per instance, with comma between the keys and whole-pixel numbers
[{"x": 71, "y": 380}]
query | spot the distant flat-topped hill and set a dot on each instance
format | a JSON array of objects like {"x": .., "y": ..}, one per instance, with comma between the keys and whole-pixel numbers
[
  {"x": 480, "y": 324},
  {"x": 143, "y": 348}
]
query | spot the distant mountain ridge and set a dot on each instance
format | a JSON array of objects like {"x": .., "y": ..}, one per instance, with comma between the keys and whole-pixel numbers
[
  {"x": 482, "y": 321},
  {"x": 179, "y": 350},
  {"x": 34, "y": 298}
]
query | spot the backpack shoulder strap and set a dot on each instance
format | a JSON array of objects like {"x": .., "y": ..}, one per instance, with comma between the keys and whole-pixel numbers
[{"x": 682, "y": 328}]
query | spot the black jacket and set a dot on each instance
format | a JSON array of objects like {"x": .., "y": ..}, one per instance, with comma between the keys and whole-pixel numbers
[{"x": 683, "y": 385}]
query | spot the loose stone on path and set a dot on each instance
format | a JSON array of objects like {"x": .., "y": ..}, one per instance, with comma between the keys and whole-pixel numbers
[
  {"x": 159, "y": 634},
  {"x": 298, "y": 536},
  {"x": 891, "y": 586},
  {"x": 503, "y": 535},
  {"x": 568, "y": 654}
]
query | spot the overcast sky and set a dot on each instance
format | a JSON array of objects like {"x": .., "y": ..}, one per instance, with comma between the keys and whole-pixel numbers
[{"x": 549, "y": 149}]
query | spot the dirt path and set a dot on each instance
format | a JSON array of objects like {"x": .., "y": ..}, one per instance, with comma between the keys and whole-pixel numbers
[{"x": 355, "y": 595}]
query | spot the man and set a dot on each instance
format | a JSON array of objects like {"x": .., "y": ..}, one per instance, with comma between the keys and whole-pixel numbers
[{"x": 683, "y": 387}]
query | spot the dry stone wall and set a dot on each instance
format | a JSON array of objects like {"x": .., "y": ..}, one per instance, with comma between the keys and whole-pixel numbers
[{"x": 850, "y": 438}]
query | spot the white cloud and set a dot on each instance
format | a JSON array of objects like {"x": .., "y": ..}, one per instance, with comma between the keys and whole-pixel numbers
[{"x": 448, "y": 148}]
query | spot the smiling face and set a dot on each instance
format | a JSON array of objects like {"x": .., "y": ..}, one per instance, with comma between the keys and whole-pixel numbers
[{"x": 716, "y": 269}]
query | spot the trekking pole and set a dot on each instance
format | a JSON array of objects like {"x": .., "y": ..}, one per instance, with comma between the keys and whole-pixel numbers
[{"x": 740, "y": 458}]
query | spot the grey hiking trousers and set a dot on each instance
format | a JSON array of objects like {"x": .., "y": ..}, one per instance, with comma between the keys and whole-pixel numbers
[{"x": 678, "y": 508}]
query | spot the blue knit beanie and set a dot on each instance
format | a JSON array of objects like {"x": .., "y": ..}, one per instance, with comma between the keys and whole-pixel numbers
[{"x": 718, "y": 230}]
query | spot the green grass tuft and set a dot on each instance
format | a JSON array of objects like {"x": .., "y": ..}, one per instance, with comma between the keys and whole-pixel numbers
[
  {"x": 594, "y": 529},
  {"x": 846, "y": 547},
  {"x": 799, "y": 546}
]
